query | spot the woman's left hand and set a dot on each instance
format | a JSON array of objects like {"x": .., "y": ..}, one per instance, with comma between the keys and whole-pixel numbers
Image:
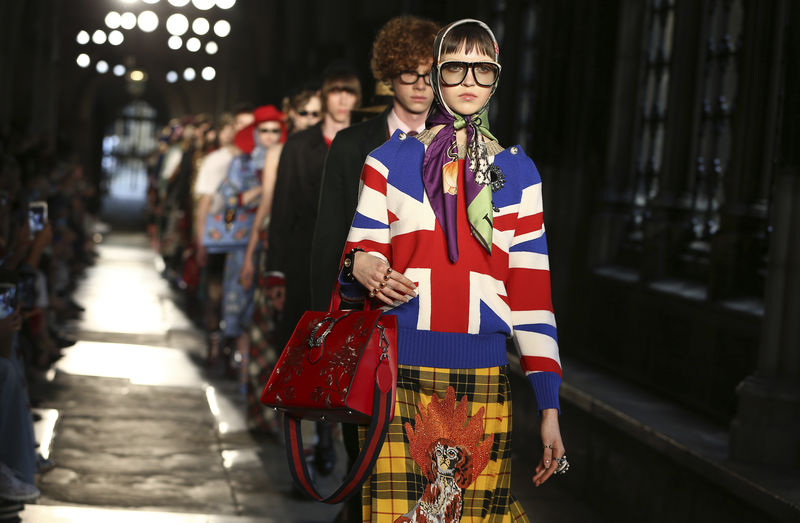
[
  {"x": 380, "y": 280},
  {"x": 553, "y": 448}
]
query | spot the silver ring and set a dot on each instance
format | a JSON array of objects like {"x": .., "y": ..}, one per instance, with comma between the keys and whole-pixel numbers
[{"x": 563, "y": 465}]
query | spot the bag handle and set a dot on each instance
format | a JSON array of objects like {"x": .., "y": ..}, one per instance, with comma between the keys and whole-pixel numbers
[{"x": 376, "y": 434}]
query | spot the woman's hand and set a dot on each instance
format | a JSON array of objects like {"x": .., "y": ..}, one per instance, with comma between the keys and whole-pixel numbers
[
  {"x": 553, "y": 447},
  {"x": 246, "y": 275},
  {"x": 380, "y": 280}
]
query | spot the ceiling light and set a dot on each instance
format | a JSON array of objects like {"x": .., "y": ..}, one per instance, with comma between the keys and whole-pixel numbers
[
  {"x": 127, "y": 20},
  {"x": 148, "y": 21},
  {"x": 99, "y": 37},
  {"x": 137, "y": 75},
  {"x": 225, "y": 4},
  {"x": 212, "y": 47},
  {"x": 83, "y": 38},
  {"x": 150, "y": 1},
  {"x": 83, "y": 60},
  {"x": 177, "y": 24},
  {"x": 189, "y": 74},
  {"x": 193, "y": 44},
  {"x": 112, "y": 19},
  {"x": 222, "y": 28},
  {"x": 175, "y": 42},
  {"x": 119, "y": 70},
  {"x": 208, "y": 73},
  {"x": 203, "y": 5},
  {"x": 200, "y": 26},
  {"x": 178, "y": 3},
  {"x": 102, "y": 67},
  {"x": 115, "y": 37},
  {"x": 172, "y": 77}
]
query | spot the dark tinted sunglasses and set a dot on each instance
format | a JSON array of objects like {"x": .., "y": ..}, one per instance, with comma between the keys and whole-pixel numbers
[
  {"x": 303, "y": 112},
  {"x": 265, "y": 130}
]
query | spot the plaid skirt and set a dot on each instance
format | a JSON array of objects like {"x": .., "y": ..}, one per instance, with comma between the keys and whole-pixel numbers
[{"x": 448, "y": 457}]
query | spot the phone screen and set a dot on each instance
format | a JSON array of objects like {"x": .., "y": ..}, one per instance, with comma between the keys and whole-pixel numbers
[
  {"x": 26, "y": 290},
  {"x": 8, "y": 300},
  {"x": 37, "y": 216}
]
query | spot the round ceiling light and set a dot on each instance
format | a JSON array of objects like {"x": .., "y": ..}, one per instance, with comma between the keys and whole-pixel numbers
[
  {"x": 115, "y": 37},
  {"x": 200, "y": 26},
  {"x": 178, "y": 3},
  {"x": 83, "y": 38},
  {"x": 172, "y": 77},
  {"x": 119, "y": 70},
  {"x": 147, "y": 21},
  {"x": 113, "y": 19},
  {"x": 102, "y": 67},
  {"x": 193, "y": 44},
  {"x": 175, "y": 42},
  {"x": 225, "y": 4},
  {"x": 177, "y": 24},
  {"x": 203, "y": 5},
  {"x": 127, "y": 20},
  {"x": 208, "y": 73},
  {"x": 222, "y": 28},
  {"x": 99, "y": 37},
  {"x": 83, "y": 60},
  {"x": 189, "y": 74},
  {"x": 212, "y": 47}
]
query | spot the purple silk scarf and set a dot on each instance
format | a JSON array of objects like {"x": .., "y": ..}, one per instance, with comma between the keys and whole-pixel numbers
[{"x": 443, "y": 149}]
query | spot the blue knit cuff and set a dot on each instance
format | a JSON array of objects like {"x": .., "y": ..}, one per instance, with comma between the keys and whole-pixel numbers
[
  {"x": 545, "y": 388},
  {"x": 351, "y": 290}
]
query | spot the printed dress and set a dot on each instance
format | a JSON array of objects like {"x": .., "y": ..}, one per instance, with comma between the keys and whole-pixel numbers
[{"x": 447, "y": 456}]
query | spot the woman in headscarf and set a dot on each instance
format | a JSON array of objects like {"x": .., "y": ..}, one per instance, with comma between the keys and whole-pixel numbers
[{"x": 448, "y": 236}]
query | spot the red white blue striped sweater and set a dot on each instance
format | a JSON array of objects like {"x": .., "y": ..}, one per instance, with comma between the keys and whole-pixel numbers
[{"x": 465, "y": 310}]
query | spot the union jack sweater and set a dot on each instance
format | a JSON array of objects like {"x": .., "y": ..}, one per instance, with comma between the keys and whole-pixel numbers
[{"x": 464, "y": 311}]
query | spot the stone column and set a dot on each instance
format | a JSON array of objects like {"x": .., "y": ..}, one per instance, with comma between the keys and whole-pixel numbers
[{"x": 767, "y": 425}]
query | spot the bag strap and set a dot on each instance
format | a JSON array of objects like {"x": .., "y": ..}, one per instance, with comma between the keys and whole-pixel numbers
[{"x": 381, "y": 417}]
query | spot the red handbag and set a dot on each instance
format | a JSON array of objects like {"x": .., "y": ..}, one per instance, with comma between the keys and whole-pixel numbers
[{"x": 337, "y": 366}]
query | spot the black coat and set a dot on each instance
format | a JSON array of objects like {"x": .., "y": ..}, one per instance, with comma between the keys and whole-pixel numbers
[
  {"x": 338, "y": 200},
  {"x": 291, "y": 227}
]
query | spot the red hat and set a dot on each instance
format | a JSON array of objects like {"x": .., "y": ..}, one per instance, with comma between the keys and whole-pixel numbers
[{"x": 245, "y": 140}]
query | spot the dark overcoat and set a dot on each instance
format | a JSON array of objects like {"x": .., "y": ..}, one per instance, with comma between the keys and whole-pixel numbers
[
  {"x": 338, "y": 200},
  {"x": 291, "y": 227}
]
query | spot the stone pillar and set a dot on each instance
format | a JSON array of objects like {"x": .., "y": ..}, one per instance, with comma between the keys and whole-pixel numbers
[{"x": 767, "y": 425}]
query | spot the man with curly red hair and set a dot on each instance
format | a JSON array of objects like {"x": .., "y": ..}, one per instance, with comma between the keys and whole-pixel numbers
[{"x": 401, "y": 58}]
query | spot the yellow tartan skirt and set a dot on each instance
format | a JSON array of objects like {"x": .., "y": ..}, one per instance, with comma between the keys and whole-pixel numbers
[{"x": 447, "y": 454}]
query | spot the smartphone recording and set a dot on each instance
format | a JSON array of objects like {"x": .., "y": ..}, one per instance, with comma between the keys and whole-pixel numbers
[
  {"x": 37, "y": 216},
  {"x": 8, "y": 300}
]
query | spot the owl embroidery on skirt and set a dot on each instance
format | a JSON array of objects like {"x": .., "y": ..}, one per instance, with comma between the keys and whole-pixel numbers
[{"x": 447, "y": 446}]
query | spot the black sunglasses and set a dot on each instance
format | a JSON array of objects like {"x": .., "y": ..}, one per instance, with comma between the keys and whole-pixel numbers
[
  {"x": 454, "y": 72},
  {"x": 267, "y": 130},
  {"x": 411, "y": 77},
  {"x": 303, "y": 112}
]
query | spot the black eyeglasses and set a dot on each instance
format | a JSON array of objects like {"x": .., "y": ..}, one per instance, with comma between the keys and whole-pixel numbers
[
  {"x": 265, "y": 130},
  {"x": 411, "y": 77},
  {"x": 453, "y": 73},
  {"x": 303, "y": 112}
]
